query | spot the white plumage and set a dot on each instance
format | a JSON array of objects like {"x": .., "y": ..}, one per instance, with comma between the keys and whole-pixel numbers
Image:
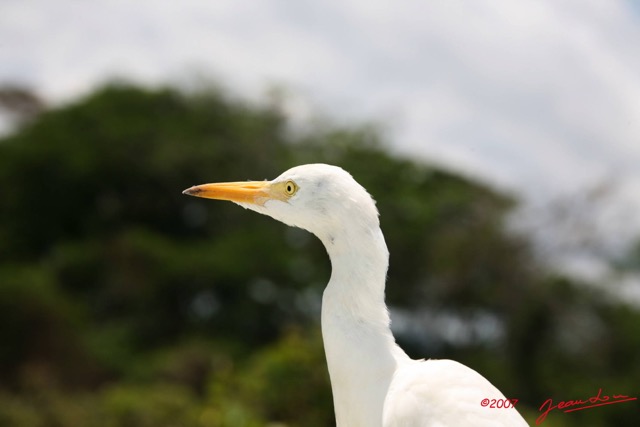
[{"x": 374, "y": 383}]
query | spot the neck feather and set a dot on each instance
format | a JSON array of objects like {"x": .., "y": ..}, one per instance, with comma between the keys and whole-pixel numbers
[{"x": 361, "y": 352}]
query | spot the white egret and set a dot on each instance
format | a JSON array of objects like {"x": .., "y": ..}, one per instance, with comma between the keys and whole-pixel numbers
[{"x": 374, "y": 383}]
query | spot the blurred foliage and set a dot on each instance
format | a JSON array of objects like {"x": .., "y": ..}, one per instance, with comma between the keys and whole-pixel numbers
[{"x": 124, "y": 303}]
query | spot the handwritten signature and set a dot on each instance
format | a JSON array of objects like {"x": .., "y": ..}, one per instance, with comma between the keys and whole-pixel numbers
[{"x": 578, "y": 405}]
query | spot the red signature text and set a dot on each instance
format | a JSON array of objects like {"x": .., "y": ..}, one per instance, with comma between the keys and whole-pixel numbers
[{"x": 578, "y": 405}]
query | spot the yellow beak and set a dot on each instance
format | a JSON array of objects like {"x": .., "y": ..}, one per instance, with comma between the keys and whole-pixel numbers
[{"x": 255, "y": 192}]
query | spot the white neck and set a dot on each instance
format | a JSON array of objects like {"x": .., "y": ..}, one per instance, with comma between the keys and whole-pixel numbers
[{"x": 361, "y": 352}]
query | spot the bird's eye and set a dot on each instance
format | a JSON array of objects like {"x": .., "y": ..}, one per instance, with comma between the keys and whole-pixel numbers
[{"x": 290, "y": 188}]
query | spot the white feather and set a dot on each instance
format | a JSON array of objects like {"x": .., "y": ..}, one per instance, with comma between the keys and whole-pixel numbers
[{"x": 374, "y": 383}]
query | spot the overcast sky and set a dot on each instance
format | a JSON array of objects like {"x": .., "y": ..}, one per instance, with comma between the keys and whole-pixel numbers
[{"x": 539, "y": 97}]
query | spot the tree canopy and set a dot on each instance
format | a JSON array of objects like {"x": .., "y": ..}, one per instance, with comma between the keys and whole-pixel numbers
[{"x": 124, "y": 303}]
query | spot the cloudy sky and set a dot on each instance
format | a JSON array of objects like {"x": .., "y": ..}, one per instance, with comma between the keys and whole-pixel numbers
[{"x": 538, "y": 97}]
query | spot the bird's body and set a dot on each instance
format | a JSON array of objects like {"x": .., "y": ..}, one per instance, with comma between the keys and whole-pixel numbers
[{"x": 374, "y": 383}]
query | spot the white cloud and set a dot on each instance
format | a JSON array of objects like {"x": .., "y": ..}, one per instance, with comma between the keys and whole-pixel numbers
[{"x": 537, "y": 96}]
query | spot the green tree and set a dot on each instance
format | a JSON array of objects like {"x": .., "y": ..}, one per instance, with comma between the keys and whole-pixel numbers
[{"x": 123, "y": 302}]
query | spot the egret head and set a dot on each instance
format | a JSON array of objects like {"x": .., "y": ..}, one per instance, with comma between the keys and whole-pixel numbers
[{"x": 322, "y": 199}]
